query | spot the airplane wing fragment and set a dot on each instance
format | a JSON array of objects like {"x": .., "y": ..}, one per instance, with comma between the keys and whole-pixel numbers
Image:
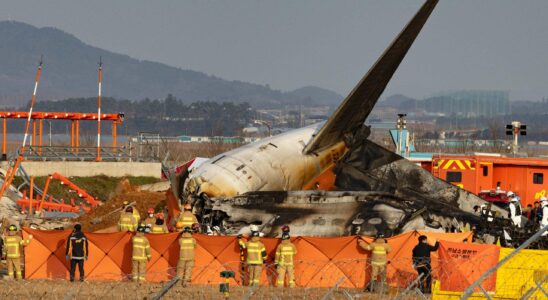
[{"x": 351, "y": 114}]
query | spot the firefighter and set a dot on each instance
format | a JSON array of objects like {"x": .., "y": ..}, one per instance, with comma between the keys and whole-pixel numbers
[
  {"x": 186, "y": 218},
  {"x": 379, "y": 249},
  {"x": 285, "y": 254},
  {"x": 515, "y": 209},
  {"x": 150, "y": 220},
  {"x": 140, "y": 255},
  {"x": 77, "y": 251},
  {"x": 421, "y": 262},
  {"x": 135, "y": 212},
  {"x": 241, "y": 246},
  {"x": 256, "y": 256},
  {"x": 159, "y": 225},
  {"x": 544, "y": 214},
  {"x": 127, "y": 220},
  {"x": 186, "y": 256},
  {"x": 13, "y": 244}
]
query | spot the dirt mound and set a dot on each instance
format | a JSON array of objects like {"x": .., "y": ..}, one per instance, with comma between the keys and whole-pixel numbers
[
  {"x": 124, "y": 186},
  {"x": 124, "y": 192}
]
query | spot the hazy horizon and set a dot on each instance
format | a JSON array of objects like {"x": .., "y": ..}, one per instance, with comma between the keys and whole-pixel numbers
[{"x": 465, "y": 45}]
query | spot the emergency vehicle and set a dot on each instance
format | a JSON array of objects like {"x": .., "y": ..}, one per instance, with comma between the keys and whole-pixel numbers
[{"x": 491, "y": 176}]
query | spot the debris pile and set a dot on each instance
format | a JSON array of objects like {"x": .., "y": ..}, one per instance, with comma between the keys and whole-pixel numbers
[{"x": 105, "y": 215}]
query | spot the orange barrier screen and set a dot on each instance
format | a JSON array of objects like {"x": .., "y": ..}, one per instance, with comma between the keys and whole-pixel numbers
[
  {"x": 320, "y": 262},
  {"x": 462, "y": 264}
]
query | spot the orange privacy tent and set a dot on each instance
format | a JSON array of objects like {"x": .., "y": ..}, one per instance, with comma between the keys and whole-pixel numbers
[
  {"x": 320, "y": 262},
  {"x": 462, "y": 264}
]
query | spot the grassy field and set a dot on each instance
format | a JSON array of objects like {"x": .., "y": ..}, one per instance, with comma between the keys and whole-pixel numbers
[{"x": 102, "y": 187}]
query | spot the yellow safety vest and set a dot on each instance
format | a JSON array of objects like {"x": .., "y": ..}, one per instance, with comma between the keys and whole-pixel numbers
[
  {"x": 127, "y": 222},
  {"x": 285, "y": 254},
  {"x": 255, "y": 250},
  {"x": 187, "y": 246},
  {"x": 379, "y": 250},
  {"x": 13, "y": 246},
  {"x": 141, "y": 249},
  {"x": 157, "y": 229},
  {"x": 379, "y": 255},
  {"x": 186, "y": 219}
]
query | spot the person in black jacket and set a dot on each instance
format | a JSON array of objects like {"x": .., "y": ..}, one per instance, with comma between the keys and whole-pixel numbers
[
  {"x": 421, "y": 262},
  {"x": 77, "y": 251}
]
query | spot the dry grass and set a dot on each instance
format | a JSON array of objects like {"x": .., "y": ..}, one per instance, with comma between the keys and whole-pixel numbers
[{"x": 62, "y": 289}]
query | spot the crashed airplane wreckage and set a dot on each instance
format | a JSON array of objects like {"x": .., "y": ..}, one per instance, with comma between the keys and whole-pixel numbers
[{"x": 266, "y": 182}]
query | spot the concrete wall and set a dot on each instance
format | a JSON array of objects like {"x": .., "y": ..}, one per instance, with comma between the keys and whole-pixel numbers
[{"x": 86, "y": 169}]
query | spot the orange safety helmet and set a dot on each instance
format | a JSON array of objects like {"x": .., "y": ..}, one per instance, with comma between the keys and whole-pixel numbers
[
  {"x": 150, "y": 210},
  {"x": 160, "y": 216}
]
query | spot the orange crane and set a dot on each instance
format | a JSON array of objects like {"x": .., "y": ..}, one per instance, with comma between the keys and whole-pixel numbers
[{"x": 39, "y": 204}]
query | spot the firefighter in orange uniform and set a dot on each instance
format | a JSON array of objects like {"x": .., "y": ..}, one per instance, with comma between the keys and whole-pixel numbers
[
  {"x": 256, "y": 256},
  {"x": 187, "y": 246},
  {"x": 186, "y": 218},
  {"x": 13, "y": 245},
  {"x": 379, "y": 248},
  {"x": 285, "y": 254},
  {"x": 140, "y": 255}
]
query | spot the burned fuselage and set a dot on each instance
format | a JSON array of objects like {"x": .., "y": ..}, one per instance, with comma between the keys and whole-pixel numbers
[
  {"x": 334, "y": 213},
  {"x": 379, "y": 191}
]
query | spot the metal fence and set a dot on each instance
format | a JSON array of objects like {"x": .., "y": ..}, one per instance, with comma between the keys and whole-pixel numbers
[
  {"x": 518, "y": 280},
  {"x": 67, "y": 153}
]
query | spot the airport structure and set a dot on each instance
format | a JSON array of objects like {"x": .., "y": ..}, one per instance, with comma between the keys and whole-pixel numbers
[{"x": 486, "y": 103}]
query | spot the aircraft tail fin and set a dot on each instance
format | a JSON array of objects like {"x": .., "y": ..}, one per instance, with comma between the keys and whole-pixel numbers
[{"x": 353, "y": 111}]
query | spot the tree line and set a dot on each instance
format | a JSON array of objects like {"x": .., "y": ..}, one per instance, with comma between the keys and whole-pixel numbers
[{"x": 169, "y": 116}]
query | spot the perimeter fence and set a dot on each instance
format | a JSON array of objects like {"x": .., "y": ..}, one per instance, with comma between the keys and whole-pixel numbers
[{"x": 524, "y": 277}]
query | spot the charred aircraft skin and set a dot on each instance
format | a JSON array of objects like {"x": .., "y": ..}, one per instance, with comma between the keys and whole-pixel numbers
[{"x": 336, "y": 213}]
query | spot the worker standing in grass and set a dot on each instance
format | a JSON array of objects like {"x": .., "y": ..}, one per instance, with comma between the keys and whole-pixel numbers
[
  {"x": 379, "y": 249},
  {"x": 285, "y": 254},
  {"x": 186, "y": 218},
  {"x": 140, "y": 255},
  {"x": 187, "y": 246},
  {"x": 127, "y": 221},
  {"x": 13, "y": 246},
  {"x": 77, "y": 251},
  {"x": 159, "y": 225},
  {"x": 256, "y": 256}
]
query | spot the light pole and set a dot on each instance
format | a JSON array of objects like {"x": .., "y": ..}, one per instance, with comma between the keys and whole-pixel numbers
[
  {"x": 49, "y": 122},
  {"x": 515, "y": 129}
]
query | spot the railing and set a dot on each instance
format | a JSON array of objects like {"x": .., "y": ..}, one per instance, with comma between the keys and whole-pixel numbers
[{"x": 67, "y": 153}]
